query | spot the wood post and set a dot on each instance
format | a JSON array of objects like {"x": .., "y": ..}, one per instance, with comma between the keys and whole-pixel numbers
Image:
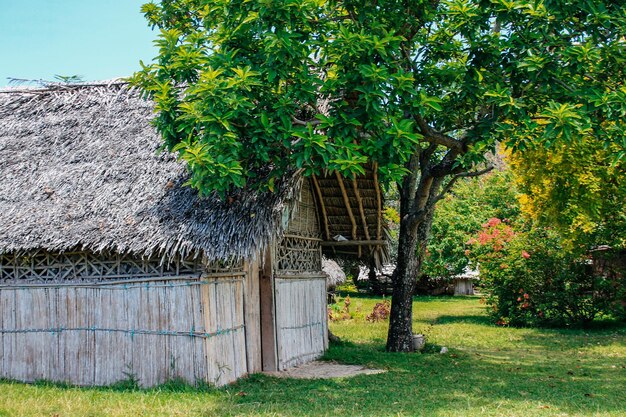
[
  {"x": 379, "y": 212},
  {"x": 318, "y": 192},
  {"x": 357, "y": 195}
]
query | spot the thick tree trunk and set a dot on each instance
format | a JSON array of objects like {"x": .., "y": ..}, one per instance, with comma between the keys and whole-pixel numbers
[
  {"x": 417, "y": 196},
  {"x": 400, "y": 336},
  {"x": 411, "y": 248}
]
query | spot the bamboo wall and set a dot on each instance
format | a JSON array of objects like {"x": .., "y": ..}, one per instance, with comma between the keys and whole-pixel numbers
[
  {"x": 300, "y": 288},
  {"x": 153, "y": 330}
]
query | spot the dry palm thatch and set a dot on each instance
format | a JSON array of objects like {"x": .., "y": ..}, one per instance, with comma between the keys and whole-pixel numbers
[
  {"x": 80, "y": 169},
  {"x": 335, "y": 274}
]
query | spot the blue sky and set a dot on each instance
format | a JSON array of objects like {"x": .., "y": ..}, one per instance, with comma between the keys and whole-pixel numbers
[{"x": 95, "y": 39}]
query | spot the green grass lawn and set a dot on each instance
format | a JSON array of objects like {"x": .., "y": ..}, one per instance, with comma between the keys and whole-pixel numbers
[{"x": 489, "y": 371}]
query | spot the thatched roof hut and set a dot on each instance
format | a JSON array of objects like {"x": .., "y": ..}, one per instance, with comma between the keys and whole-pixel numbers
[
  {"x": 108, "y": 261},
  {"x": 81, "y": 169},
  {"x": 464, "y": 282}
]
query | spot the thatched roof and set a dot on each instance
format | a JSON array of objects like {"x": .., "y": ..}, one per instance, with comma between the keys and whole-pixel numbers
[{"x": 79, "y": 168}]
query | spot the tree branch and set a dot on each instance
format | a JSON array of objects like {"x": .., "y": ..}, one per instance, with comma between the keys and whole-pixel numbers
[
  {"x": 433, "y": 136},
  {"x": 466, "y": 174},
  {"x": 446, "y": 164},
  {"x": 297, "y": 121},
  {"x": 564, "y": 85}
]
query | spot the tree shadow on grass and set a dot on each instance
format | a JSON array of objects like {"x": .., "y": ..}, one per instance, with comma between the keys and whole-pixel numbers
[
  {"x": 462, "y": 382},
  {"x": 480, "y": 319},
  {"x": 426, "y": 384}
]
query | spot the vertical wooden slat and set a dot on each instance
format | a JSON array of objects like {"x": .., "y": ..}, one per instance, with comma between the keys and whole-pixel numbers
[
  {"x": 323, "y": 311},
  {"x": 61, "y": 314},
  {"x": 379, "y": 215},
  {"x": 346, "y": 201},
  {"x": 208, "y": 315},
  {"x": 198, "y": 327},
  {"x": 252, "y": 319},
  {"x": 238, "y": 335},
  {"x": 3, "y": 351},
  {"x": 357, "y": 195},
  {"x": 14, "y": 346},
  {"x": 222, "y": 358}
]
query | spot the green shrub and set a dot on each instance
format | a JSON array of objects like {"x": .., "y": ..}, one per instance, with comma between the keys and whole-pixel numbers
[
  {"x": 529, "y": 279},
  {"x": 460, "y": 215}
]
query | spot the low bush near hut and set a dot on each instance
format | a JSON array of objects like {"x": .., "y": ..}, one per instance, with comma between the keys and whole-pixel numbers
[{"x": 339, "y": 310}]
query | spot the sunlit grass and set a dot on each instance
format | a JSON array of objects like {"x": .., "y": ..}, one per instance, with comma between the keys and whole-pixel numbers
[{"x": 489, "y": 371}]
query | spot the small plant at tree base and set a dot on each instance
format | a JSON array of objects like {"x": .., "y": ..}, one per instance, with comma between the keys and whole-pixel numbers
[{"x": 380, "y": 312}]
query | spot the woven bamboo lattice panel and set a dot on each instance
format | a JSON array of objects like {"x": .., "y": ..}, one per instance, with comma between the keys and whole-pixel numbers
[
  {"x": 223, "y": 267},
  {"x": 43, "y": 266},
  {"x": 299, "y": 250}
]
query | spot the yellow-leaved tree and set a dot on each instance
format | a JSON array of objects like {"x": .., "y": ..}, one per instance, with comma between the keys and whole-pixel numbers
[{"x": 578, "y": 189}]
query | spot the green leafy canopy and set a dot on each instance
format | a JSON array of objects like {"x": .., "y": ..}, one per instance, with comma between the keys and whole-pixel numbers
[{"x": 247, "y": 91}]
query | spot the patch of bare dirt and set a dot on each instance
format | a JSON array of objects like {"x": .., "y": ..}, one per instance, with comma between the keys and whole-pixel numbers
[{"x": 325, "y": 370}]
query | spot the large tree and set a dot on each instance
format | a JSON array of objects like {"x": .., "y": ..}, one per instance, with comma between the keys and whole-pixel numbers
[{"x": 247, "y": 91}]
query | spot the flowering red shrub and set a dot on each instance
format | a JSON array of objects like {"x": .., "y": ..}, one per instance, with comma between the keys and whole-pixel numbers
[
  {"x": 529, "y": 279},
  {"x": 494, "y": 234}
]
